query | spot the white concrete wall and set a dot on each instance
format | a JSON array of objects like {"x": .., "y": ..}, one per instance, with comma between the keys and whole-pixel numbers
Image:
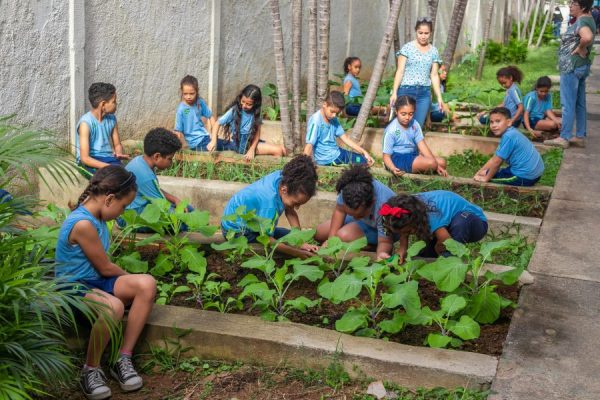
[{"x": 145, "y": 48}]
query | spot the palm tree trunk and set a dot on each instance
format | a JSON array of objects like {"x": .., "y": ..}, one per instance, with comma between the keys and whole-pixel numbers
[
  {"x": 380, "y": 63},
  {"x": 432, "y": 6},
  {"x": 282, "y": 86},
  {"x": 486, "y": 36},
  {"x": 407, "y": 22},
  {"x": 507, "y": 21},
  {"x": 535, "y": 17},
  {"x": 455, "y": 24},
  {"x": 296, "y": 65},
  {"x": 528, "y": 12},
  {"x": 519, "y": 15},
  {"x": 311, "y": 74},
  {"x": 548, "y": 14},
  {"x": 323, "y": 73},
  {"x": 396, "y": 34}
]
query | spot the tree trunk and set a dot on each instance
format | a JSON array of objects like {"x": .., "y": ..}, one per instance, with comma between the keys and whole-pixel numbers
[
  {"x": 527, "y": 18},
  {"x": 432, "y": 6},
  {"x": 535, "y": 17},
  {"x": 507, "y": 21},
  {"x": 323, "y": 73},
  {"x": 407, "y": 22},
  {"x": 296, "y": 65},
  {"x": 455, "y": 24},
  {"x": 519, "y": 14},
  {"x": 396, "y": 34},
  {"x": 380, "y": 63},
  {"x": 486, "y": 36},
  {"x": 311, "y": 73},
  {"x": 548, "y": 14},
  {"x": 282, "y": 86}
]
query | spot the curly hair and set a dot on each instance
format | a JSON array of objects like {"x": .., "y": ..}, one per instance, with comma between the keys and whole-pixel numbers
[
  {"x": 253, "y": 93},
  {"x": 300, "y": 176},
  {"x": 417, "y": 217},
  {"x": 100, "y": 91},
  {"x": 112, "y": 179},
  {"x": 348, "y": 62},
  {"x": 161, "y": 141},
  {"x": 356, "y": 186},
  {"x": 512, "y": 72}
]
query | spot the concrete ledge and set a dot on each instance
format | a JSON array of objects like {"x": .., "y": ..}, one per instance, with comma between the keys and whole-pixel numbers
[{"x": 249, "y": 339}]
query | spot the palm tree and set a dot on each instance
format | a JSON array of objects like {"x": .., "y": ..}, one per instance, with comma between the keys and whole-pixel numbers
[
  {"x": 407, "y": 22},
  {"x": 486, "y": 36},
  {"x": 528, "y": 11},
  {"x": 282, "y": 85},
  {"x": 296, "y": 63},
  {"x": 396, "y": 34},
  {"x": 323, "y": 73},
  {"x": 381, "y": 61},
  {"x": 507, "y": 21},
  {"x": 432, "y": 6},
  {"x": 535, "y": 17},
  {"x": 455, "y": 24},
  {"x": 548, "y": 14},
  {"x": 311, "y": 78}
]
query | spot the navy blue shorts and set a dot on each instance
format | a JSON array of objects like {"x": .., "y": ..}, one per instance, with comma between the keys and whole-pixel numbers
[
  {"x": 370, "y": 233},
  {"x": 353, "y": 109},
  {"x": 222, "y": 145},
  {"x": 349, "y": 157},
  {"x": 506, "y": 177},
  {"x": 436, "y": 115},
  {"x": 533, "y": 122},
  {"x": 105, "y": 284},
  {"x": 464, "y": 228},
  {"x": 278, "y": 233},
  {"x": 404, "y": 161}
]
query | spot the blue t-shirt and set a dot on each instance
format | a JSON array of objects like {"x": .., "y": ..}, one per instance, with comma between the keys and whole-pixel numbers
[
  {"x": 520, "y": 154},
  {"x": 71, "y": 263},
  {"x": 444, "y": 206},
  {"x": 322, "y": 136},
  {"x": 147, "y": 184},
  {"x": 397, "y": 139},
  {"x": 246, "y": 122},
  {"x": 512, "y": 99},
  {"x": 355, "y": 88},
  {"x": 188, "y": 120},
  {"x": 262, "y": 197},
  {"x": 382, "y": 194},
  {"x": 100, "y": 140},
  {"x": 535, "y": 107},
  {"x": 417, "y": 71}
]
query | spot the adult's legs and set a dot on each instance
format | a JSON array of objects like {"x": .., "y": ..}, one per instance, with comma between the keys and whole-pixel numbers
[
  {"x": 569, "y": 86},
  {"x": 580, "y": 103},
  {"x": 423, "y": 104}
]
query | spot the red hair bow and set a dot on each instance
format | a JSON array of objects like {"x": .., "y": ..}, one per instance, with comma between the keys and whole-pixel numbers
[{"x": 393, "y": 211}]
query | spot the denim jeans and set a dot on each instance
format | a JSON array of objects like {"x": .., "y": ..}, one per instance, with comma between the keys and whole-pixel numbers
[
  {"x": 556, "y": 29},
  {"x": 572, "y": 99},
  {"x": 422, "y": 94}
]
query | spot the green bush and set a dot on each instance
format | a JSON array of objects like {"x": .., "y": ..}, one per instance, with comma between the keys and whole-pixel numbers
[{"x": 514, "y": 52}]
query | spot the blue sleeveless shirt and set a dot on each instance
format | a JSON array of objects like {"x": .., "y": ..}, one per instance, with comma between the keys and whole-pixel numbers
[{"x": 100, "y": 135}]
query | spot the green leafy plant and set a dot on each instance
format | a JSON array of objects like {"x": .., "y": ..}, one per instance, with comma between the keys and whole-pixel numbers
[
  {"x": 338, "y": 252},
  {"x": 213, "y": 296}
]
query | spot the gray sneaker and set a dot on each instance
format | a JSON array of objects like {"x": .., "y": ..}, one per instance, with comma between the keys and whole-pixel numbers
[
  {"x": 126, "y": 375},
  {"x": 93, "y": 384},
  {"x": 558, "y": 142},
  {"x": 577, "y": 142}
]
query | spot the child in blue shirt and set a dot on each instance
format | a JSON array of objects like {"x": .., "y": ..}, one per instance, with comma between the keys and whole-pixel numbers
[
  {"x": 160, "y": 146},
  {"x": 97, "y": 143},
  {"x": 437, "y": 113},
  {"x": 525, "y": 165},
  {"x": 323, "y": 129},
  {"x": 404, "y": 148},
  {"x": 242, "y": 123},
  {"x": 433, "y": 217},
  {"x": 355, "y": 215},
  {"x": 508, "y": 77},
  {"x": 277, "y": 193},
  {"x": 538, "y": 115},
  {"x": 82, "y": 259},
  {"x": 192, "y": 118},
  {"x": 352, "y": 66}
]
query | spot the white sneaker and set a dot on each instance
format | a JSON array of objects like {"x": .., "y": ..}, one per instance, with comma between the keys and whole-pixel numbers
[
  {"x": 93, "y": 384},
  {"x": 558, "y": 142},
  {"x": 126, "y": 375}
]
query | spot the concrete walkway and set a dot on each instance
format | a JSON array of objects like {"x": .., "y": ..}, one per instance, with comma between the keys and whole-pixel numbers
[{"x": 552, "y": 349}]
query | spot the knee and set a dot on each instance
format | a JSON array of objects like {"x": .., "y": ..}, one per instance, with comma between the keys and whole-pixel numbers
[
  {"x": 345, "y": 235},
  {"x": 147, "y": 286},
  {"x": 117, "y": 308},
  {"x": 431, "y": 163}
]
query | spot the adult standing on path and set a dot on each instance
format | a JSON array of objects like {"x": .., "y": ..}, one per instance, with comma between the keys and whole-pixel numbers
[
  {"x": 557, "y": 19},
  {"x": 417, "y": 71},
  {"x": 574, "y": 63}
]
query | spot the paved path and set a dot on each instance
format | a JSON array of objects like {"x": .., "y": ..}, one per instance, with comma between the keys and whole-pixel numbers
[{"x": 553, "y": 346}]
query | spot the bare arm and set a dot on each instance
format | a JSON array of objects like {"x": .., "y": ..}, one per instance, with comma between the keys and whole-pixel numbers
[
  {"x": 517, "y": 114},
  {"x": 403, "y": 248},
  {"x": 84, "y": 148},
  {"x": 426, "y": 151},
  {"x": 172, "y": 199},
  {"x": 489, "y": 169},
  {"x": 85, "y": 235},
  {"x": 117, "y": 144},
  {"x": 292, "y": 217},
  {"x": 526, "y": 121},
  {"x": 347, "y": 86},
  {"x": 308, "y": 150},
  {"x": 181, "y": 138},
  {"x": 384, "y": 247},
  {"x": 251, "y": 152},
  {"x": 211, "y": 125},
  {"x": 441, "y": 235},
  {"x": 586, "y": 36},
  {"x": 387, "y": 161},
  {"x": 337, "y": 221},
  {"x": 354, "y": 146},
  {"x": 435, "y": 84},
  {"x": 401, "y": 64}
]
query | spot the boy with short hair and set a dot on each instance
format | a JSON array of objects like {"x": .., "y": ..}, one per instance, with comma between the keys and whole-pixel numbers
[
  {"x": 97, "y": 142},
  {"x": 323, "y": 129},
  {"x": 525, "y": 165},
  {"x": 160, "y": 145}
]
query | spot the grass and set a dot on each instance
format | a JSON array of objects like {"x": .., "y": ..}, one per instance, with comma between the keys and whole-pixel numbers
[{"x": 540, "y": 62}]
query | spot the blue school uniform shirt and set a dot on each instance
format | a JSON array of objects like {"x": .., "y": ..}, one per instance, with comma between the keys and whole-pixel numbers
[
  {"x": 71, "y": 263},
  {"x": 262, "y": 197},
  {"x": 188, "y": 120},
  {"x": 397, "y": 139},
  {"x": 100, "y": 135},
  {"x": 513, "y": 98},
  {"x": 147, "y": 184},
  {"x": 520, "y": 154},
  {"x": 417, "y": 71},
  {"x": 535, "y": 107},
  {"x": 245, "y": 126},
  {"x": 444, "y": 206},
  {"x": 382, "y": 194},
  {"x": 322, "y": 136},
  {"x": 355, "y": 88}
]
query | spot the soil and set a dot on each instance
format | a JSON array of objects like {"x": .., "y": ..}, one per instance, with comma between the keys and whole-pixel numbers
[
  {"x": 490, "y": 342},
  {"x": 461, "y": 130}
]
